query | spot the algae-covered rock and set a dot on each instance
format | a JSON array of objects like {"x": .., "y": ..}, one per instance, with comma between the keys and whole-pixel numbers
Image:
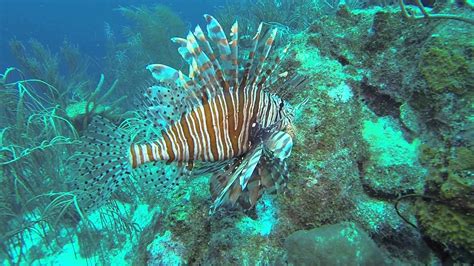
[
  {"x": 450, "y": 175},
  {"x": 393, "y": 167},
  {"x": 339, "y": 244},
  {"x": 446, "y": 67},
  {"x": 451, "y": 227},
  {"x": 409, "y": 118},
  {"x": 164, "y": 250},
  {"x": 391, "y": 181},
  {"x": 449, "y": 217}
]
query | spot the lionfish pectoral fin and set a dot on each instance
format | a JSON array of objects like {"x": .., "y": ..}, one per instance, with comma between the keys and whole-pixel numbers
[
  {"x": 279, "y": 145},
  {"x": 227, "y": 185},
  {"x": 277, "y": 148},
  {"x": 270, "y": 177}
]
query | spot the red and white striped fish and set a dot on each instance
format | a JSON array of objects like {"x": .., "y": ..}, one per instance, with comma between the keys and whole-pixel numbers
[{"x": 223, "y": 114}]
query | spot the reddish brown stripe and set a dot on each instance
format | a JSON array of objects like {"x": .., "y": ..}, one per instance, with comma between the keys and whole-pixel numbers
[
  {"x": 240, "y": 116},
  {"x": 223, "y": 42},
  {"x": 257, "y": 106},
  {"x": 231, "y": 122},
  {"x": 216, "y": 29},
  {"x": 260, "y": 84},
  {"x": 169, "y": 149},
  {"x": 224, "y": 57},
  {"x": 210, "y": 129},
  {"x": 160, "y": 154},
  {"x": 134, "y": 156},
  {"x": 190, "y": 165},
  {"x": 205, "y": 67},
  {"x": 243, "y": 82},
  {"x": 150, "y": 152},
  {"x": 140, "y": 155},
  {"x": 197, "y": 122},
  {"x": 277, "y": 59},
  {"x": 220, "y": 119},
  {"x": 220, "y": 77},
  {"x": 179, "y": 144},
  {"x": 189, "y": 138}
]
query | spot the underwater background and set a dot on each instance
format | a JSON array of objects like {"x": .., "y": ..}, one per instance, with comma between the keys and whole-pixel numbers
[{"x": 381, "y": 172}]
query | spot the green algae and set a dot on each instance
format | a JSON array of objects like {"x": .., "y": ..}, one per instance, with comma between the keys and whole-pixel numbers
[
  {"x": 449, "y": 174},
  {"x": 449, "y": 219},
  {"x": 446, "y": 225},
  {"x": 446, "y": 67}
]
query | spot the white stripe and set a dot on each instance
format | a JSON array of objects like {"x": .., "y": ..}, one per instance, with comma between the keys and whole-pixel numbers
[
  {"x": 136, "y": 148},
  {"x": 207, "y": 154},
  {"x": 144, "y": 153},
  {"x": 162, "y": 148},
  {"x": 174, "y": 146},
  {"x": 215, "y": 127},
  {"x": 254, "y": 104},
  {"x": 197, "y": 144},
  {"x": 193, "y": 136},
  {"x": 184, "y": 143},
  {"x": 265, "y": 110},
  {"x": 230, "y": 149},
  {"x": 235, "y": 101},
  {"x": 154, "y": 151}
]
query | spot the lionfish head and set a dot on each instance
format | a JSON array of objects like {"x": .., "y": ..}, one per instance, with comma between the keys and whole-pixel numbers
[{"x": 289, "y": 114}]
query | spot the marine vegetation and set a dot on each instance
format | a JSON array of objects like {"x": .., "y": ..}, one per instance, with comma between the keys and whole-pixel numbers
[
  {"x": 67, "y": 76},
  {"x": 144, "y": 41}
]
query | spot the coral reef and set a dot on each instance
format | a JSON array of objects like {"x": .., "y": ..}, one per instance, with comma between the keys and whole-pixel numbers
[{"x": 388, "y": 114}]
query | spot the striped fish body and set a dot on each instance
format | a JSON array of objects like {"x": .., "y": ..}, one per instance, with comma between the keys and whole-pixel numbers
[
  {"x": 218, "y": 129},
  {"x": 223, "y": 112}
]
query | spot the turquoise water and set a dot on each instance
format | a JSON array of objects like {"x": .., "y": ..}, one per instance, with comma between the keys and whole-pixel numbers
[{"x": 358, "y": 149}]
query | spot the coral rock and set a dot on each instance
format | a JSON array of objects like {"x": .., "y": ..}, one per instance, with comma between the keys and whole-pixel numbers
[{"x": 338, "y": 244}]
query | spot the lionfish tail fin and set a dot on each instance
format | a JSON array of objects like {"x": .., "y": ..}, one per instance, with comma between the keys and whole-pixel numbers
[{"x": 102, "y": 164}]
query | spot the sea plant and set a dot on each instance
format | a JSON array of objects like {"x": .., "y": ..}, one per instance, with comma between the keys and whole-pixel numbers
[
  {"x": 146, "y": 41},
  {"x": 34, "y": 139}
]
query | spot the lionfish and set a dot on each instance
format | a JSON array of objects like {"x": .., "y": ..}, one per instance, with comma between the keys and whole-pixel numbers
[{"x": 222, "y": 115}]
